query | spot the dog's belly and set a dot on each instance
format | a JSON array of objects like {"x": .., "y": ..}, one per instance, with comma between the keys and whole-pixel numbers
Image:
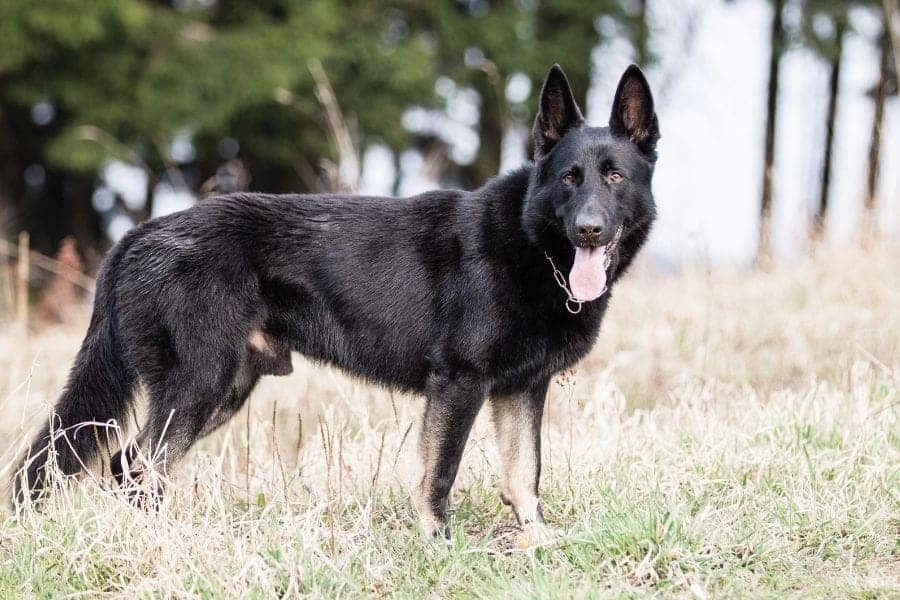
[
  {"x": 374, "y": 362},
  {"x": 376, "y": 351},
  {"x": 401, "y": 348}
]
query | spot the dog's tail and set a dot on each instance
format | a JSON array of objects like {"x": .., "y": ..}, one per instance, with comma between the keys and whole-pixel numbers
[{"x": 99, "y": 390}]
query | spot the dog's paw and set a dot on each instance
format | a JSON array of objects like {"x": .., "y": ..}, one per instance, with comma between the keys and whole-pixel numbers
[
  {"x": 434, "y": 530},
  {"x": 535, "y": 534}
]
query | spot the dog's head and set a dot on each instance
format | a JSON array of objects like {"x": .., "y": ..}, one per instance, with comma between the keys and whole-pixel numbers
[{"x": 591, "y": 185}]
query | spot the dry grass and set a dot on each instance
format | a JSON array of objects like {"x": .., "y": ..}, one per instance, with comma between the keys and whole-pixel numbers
[{"x": 732, "y": 434}]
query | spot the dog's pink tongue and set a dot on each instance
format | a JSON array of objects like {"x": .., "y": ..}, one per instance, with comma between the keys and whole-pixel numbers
[{"x": 588, "y": 275}]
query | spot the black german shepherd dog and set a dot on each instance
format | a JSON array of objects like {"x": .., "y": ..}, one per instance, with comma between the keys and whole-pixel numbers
[{"x": 456, "y": 295}]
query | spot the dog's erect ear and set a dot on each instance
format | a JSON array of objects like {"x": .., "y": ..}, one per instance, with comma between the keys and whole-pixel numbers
[
  {"x": 557, "y": 112},
  {"x": 632, "y": 112}
]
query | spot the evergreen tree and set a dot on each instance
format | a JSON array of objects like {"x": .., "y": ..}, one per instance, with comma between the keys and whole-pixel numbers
[{"x": 81, "y": 83}]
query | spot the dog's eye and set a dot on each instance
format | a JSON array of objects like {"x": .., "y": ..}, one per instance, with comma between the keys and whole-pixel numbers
[
  {"x": 615, "y": 177},
  {"x": 568, "y": 179}
]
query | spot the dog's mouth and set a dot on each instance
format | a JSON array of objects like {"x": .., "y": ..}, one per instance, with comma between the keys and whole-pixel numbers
[{"x": 587, "y": 278}]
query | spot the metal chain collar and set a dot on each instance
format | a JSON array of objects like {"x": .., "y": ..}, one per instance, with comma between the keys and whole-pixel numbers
[{"x": 573, "y": 305}]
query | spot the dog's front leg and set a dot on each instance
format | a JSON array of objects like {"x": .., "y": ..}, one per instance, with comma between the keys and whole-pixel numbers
[
  {"x": 517, "y": 424},
  {"x": 451, "y": 408}
]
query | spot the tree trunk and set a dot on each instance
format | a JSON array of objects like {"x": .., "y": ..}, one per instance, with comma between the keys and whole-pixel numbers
[
  {"x": 490, "y": 133},
  {"x": 879, "y": 94},
  {"x": 891, "y": 10},
  {"x": 10, "y": 179},
  {"x": 642, "y": 35},
  {"x": 834, "y": 82},
  {"x": 777, "y": 44}
]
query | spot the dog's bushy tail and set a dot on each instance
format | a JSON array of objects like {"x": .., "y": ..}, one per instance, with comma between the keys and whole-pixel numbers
[{"x": 99, "y": 390}]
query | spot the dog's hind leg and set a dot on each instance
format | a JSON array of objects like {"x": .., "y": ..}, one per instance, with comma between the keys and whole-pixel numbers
[
  {"x": 243, "y": 385},
  {"x": 265, "y": 356},
  {"x": 182, "y": 409},
  {"x": 451, "y": 408},
  {"x": 517, "y": 425}
]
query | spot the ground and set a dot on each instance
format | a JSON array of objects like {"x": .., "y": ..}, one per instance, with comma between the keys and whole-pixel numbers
[{"x": 732, "y": 434}]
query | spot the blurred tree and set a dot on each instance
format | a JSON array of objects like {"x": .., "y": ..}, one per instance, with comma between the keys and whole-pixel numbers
[
  {"x": 886, "y": 86},
  {"x": 38, "y": 42},
  {"x": 81, "y": 83},
  {"x": 892, "y": 22},
  {"x": 777, "y": 46},
  {"x": 641, "y": 34},
  {"x": 482, "y": 44},
  {"x": 825, "y": 24}
]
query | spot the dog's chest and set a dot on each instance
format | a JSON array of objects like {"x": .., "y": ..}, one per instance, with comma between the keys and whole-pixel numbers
[{"x": 544, "y": 345}]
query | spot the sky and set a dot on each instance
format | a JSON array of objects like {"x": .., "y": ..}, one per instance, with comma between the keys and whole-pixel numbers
[{"x": 709, "y": 87}]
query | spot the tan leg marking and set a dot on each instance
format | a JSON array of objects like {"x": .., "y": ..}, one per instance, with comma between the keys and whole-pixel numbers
[
  {"x": 450, "y": 410},
  {"x": 517, "y": 424},
  {"x": 430, "y": 494},
  {"x": 430, "y": 517}
]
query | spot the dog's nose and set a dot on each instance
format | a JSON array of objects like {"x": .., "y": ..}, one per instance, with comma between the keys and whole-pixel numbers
[
  {"x": 590, "y": 229},
  {"x": 593, "y": 229}
]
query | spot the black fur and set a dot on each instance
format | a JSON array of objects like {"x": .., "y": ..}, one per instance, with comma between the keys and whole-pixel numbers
[{"x": 447, "y": 293}]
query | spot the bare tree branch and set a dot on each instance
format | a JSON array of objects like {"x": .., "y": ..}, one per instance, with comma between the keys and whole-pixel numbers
[
  {"x": 50, "y": 265},
  {"x": 347, "y": 154}
]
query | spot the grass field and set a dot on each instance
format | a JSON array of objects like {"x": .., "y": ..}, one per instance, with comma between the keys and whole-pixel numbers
[{"x": 732, "y": 434}]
